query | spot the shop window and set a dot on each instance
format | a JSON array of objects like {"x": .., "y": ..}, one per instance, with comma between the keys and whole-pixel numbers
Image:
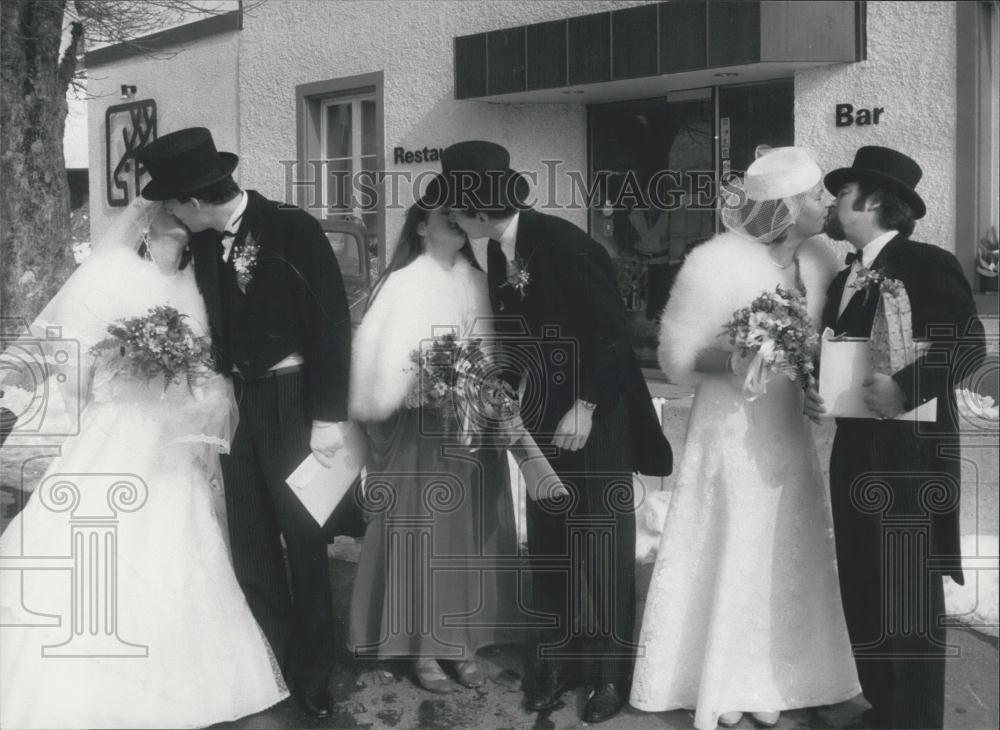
[
  {"x": 977, "y": 189},
  {"x": 655, "y": 164}
]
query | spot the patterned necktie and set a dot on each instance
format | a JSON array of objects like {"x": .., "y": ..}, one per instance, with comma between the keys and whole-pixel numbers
[{"x": 496, "y": 273}]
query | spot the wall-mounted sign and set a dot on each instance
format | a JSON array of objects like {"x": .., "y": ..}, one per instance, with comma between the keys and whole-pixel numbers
[
  {"x": 403, "y": 156},
  {"x": 848, "y": 116},
  {"x": 127, "y": 127}
]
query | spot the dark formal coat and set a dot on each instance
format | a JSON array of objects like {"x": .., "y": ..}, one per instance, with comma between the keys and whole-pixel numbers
[
  {"x": 943, "y": 312},
  {"x": 294, "y": 302},
  {"x": 572, "y": 302}
]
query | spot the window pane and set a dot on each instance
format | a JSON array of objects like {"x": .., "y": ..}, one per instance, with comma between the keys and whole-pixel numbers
[
  {"x": 368, "y": 127},
  {"x": 338, "y": 131},
  {"x": 338, "y": 186}
]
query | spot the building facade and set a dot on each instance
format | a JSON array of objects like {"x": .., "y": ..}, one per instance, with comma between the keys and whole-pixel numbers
[{"x": 625, "y": 115}]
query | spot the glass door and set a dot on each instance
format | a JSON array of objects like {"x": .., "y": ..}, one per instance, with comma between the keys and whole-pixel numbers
[{"x": 656, "y": 164}]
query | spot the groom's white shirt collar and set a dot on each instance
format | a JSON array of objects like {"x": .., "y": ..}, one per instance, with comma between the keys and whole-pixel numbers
[
  {"x": 508, "y": 243},
  {"x": 868, "y": 255},
  {"x": 233, "y": 224}
]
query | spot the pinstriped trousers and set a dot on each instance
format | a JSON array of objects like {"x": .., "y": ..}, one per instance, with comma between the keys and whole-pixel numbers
[{"x": 293, "y": 606}]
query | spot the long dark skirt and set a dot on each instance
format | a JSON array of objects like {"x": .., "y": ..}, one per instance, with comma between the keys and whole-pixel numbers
[{"x": 438, "y": 569}]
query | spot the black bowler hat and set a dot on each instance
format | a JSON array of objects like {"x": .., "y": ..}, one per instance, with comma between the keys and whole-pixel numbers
[
  {"x": 477, "y": 174},
  {"x": 183, "y": 162},
  {"x": 885, "y": 167}
]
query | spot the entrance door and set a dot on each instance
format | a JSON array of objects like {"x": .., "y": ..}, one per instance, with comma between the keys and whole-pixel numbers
[{"x": 656, "y": 163}]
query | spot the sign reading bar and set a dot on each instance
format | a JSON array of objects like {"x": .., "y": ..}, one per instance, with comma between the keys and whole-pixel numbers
[{"x": 848, "y": 116}]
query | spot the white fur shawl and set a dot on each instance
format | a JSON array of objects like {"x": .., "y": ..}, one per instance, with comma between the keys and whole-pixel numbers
[
  {"x": 717, "y": 278},
  {"x": 415, "y": 303}
]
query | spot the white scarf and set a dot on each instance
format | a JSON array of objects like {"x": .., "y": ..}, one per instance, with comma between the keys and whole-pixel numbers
[
  {"x": 416, "y": 303},
  {"x": 717, "y": 278}
]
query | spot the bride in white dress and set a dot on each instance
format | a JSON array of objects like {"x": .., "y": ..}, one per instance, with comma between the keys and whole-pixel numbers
[
  {"x": 153, "y": 631},
  {"x": 744, "y": 612}
]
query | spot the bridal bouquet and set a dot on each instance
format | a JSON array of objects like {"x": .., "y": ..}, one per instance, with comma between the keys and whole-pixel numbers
[
  {"x": 777, "y": 330},
  {"x": 159, "y": 343},
  {"x": 457, "y": 380}
]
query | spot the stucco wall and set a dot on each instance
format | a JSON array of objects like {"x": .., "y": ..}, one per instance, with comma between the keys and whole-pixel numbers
[
  {"x": 910, "y": 71},
  {"x": 195, "y": 86},
  {"x": 290, "y": 42}
]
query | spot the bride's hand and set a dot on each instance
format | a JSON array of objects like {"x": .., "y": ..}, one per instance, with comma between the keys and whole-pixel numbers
[{"x": 739, "y": 363}]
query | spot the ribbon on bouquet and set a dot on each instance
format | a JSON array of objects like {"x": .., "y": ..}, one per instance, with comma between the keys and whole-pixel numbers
[{"x": 758, "y": 374}]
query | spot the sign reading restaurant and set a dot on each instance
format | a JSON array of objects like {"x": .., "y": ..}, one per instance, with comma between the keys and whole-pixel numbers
[{"x": 403, "y": 156}]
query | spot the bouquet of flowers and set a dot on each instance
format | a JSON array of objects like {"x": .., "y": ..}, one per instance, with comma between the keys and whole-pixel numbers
[
  {"x": 459, "y": 382},
  {"x": 159, "y": 343},
  {"x": 777, "y": 330}
]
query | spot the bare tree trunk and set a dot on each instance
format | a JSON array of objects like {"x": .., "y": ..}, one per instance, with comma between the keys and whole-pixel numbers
[{"x": 34, "y": 191}]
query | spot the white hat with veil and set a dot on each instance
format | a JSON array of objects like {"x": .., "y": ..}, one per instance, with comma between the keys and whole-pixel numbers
[
  {"x": 768, "y": 199},
  {"x": 47, "y": 367}
]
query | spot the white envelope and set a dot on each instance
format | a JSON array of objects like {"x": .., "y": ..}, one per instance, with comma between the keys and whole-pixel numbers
[
  {"x": 845, "y": 362},
  {"x": 320, "y": 489}
]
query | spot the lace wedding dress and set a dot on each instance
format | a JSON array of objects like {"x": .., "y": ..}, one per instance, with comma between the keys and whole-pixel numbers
[
  {"x": 744, "y": 611},
  {"x": 188, "y": 652}
]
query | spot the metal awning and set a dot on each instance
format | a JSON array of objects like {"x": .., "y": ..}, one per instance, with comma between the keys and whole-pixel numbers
[{"x": 651, "y": 49}]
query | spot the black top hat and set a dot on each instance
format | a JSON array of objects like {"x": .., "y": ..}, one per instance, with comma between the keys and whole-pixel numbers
[
  {"x": 477, "y": 175},
  {"x": 182, "y": 162},
  {"x": 885, "y": 167}
]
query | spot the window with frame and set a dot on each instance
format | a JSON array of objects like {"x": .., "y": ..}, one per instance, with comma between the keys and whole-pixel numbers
[{"x": 341, "y": 154}]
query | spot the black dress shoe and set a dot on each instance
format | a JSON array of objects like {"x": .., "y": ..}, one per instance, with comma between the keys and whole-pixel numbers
[
  {"x": 544, "y": 693},
  {"x": 603, "y": 702},
  {"x": 316, "y": 703}
]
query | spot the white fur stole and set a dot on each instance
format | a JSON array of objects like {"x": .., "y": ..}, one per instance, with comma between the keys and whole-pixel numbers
[
  {"x": 416, "y": 303},
  {"x": 717, "y": 278}
]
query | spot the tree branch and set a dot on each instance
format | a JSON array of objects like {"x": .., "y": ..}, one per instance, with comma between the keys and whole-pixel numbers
[{"x": 67, "y": 65}]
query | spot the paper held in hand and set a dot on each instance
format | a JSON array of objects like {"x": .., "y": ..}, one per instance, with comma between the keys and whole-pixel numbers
[
  {"x": 845, "y": 362},
  {"x": 320, "y": 489},
  {"x": 540, "y": 481}
]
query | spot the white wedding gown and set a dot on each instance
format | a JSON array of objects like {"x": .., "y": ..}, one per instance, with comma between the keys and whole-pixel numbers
[
  {"x": 174, "y": 592},
  {"x": 743, "y": 612}
]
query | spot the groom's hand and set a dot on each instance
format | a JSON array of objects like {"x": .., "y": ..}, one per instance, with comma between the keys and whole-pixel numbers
[
  {"x": 813, "y": 406},
  {"x": 883, "y": 396},
  {"x": 325, "y": 442},
  {"x": 574, "y": 428}
]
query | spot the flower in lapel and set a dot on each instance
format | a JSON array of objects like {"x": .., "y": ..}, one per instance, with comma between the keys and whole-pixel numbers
[
  {"x": 245, "y": 261},
  {"x": 868, "y": 279},
  {"x": 518, "y": 278}
]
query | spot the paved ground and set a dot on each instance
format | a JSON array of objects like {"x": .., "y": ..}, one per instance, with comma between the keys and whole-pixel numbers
[{"x": 382, "y": 695}]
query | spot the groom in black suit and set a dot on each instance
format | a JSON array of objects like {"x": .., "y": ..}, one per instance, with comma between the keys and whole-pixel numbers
[
  {"x": 281, "y": 328},
  {"x": 895, "y": 484},
  {"x": 564, "y": 334}
]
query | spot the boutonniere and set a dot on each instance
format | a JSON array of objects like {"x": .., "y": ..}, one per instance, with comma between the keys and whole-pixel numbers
[
  {"x": 868, "y": 279},
  {"x": 518, "y": 276},
  {"x": 245, "y": 261}
]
